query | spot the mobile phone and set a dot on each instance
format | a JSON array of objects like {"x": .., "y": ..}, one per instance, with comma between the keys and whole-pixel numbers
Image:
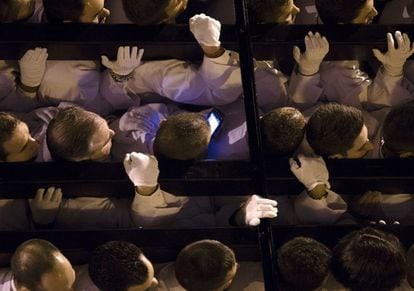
[{"x": 214, "y": 119}]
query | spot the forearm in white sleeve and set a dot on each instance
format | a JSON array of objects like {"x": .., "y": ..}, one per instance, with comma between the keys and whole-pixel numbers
[
  {"x": 324, "y": 211},
  {"x": 158, "y": 209},
  {"x": 387, "y": 90},
  {"x": 304, "y": 91}
]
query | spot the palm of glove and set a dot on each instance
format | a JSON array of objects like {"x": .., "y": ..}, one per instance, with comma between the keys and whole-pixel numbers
[
  {"x": 310, "y": 171},
  {"x": 127, "y": 60},
  {"x": 256, "y": 208},
  {"x": 45, "y": 206},
  {"x": 141, "y": 169},
  {"x": 394, "y": 58},
  {"x": 33, "y": 66},
  {"x": 316, "y": 49},
  {"x": 205, "y": 29}
]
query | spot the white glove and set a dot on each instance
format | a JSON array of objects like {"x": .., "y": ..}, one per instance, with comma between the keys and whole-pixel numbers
[
  {"x": 126, "y": 60},
  {"x": 311, "y": 171},
  {"x": 142, "y": 169},
  {"x": 33, "y": 67},
  {"x": 45, "y": 206},
  {"x": 316, "y": 49},
  {"x": 393, "y": 60},
  {"x": 256, "y": 208},
  {"x": 205, "y": 29}
]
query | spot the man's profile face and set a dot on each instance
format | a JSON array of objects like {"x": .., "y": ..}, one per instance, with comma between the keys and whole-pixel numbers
[
  {"x": 366, "y": 14},
  {"x": 62, "y": 278},
  {"x": 21, "y": 147},
  {"x": 288, "y": 13},
  {"x": 94, "y": 12},
  {"x": 151, "y": 280},
  {"x": 101, "y": 141},
  {"x": 361, "y": 146},
  {"x": 174, "y": 8}
]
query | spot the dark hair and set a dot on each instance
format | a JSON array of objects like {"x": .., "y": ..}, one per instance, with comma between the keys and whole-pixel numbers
[
  {"x": 304, "y": 257},
  {"x": 58, "y": 11},
  {"x": 184, "y": 136},
  {"x": 204, "y": 265},
  {"x": 266, "y": 11},
  {"x": 145, "y": 12},
  {"x": 8, "y": 123},
  {"x": 31, "y": 260},
  {"x": 333, "y": 128},
  {"x": 410, "y": 265},
  {"x": 338, "y": 11},
  {"x": 398, "y": 129},
  {"x": 117, "y": 265},
  {"x": 368, "y": 260},
  {"x": 70, "y": 132},
  {"x": 283, "y": 131},
  {"x": 9, "y": 9}
]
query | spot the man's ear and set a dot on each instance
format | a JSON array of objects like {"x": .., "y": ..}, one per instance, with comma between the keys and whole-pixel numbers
[
  {"x": 406, "y": 154},
  {"x": 336, "y": 156}
]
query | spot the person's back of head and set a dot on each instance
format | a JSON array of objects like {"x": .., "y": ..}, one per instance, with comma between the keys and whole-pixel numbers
[
  {"x": 303, "y": 258},
  {"x": 184, "y": 136},
  {"x": 333, "y": 129},
  {"x": 120, "y": 265},
  {"x": 75, "y": 134},
  {"x": 369, "y": 260},
  {"x": 205, "y": 265},
  {"x": 398, "y": 131},
  {"x": 283, "y": 131},
  {"x": 38, "y": 265},
  {"x": 272, "y": 11},
  {"x": 147, "y": 12},
  {"x": 346, "y": 11}
]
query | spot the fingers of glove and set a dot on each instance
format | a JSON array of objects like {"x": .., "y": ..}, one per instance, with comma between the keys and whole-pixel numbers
[
  {"x": 27, "y": 55},
  {"x": 266, "y": 214},
  {"x": 265, "y": 201},
  {"x": 120, "y": 54},
  {"x": 106, "y": 62},
  {"x": 153, "y": 160},
  {"x": 127, "y": 159},
  {"x": 400, "y": 39},
  {"x": 313, "y": 39},
  {"x": 134, "y": 53},
  {"x": 266, "y": 207},
  {"x": 378, "y": 55},
  {"x": 390, "y": 42},
  {"x": 140, "y": 54},
  {"x": 296, "y": 53},
  {"x": 254, "y": 221},
  {"x": 37, "y": 53},
  {"x": 308, "y": 43},
  {"x": 39, "y": 194},
  {"x": 49, "y": 194},
  {"x": 127, "y": 53},
  {"x": 57, "y": 196}
]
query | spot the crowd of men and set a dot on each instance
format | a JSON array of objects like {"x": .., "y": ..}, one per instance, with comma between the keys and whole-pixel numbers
[{"x": 69, "y": 111}]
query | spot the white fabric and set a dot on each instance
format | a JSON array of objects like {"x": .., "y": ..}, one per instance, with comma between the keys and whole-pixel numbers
[
  {"x": 141, "y": 169},
  {"x": 205, "y": 29},
  {"x": 6, "y": 280},
  {"x": 324, "y": 211}
]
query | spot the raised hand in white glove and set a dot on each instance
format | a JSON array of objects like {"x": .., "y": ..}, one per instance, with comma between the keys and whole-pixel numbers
[
  {"x": 316, "y": 49},
  {"x": 206, "y": 30},
  {"x": 393, "y": 60},
  {"x": 256, "y": 208},
  {"x": 45, "y": 205},
  {"x": 127, "y": 60},
  {"x": 142, "y": 169},
  {"x": 310, "y": 171},
  {"x": 33, "y": 67}
]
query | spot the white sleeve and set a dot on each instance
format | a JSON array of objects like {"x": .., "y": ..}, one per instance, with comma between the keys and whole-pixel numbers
[
  {"x": 324, "y": 211},
  {"x": 344, "y": 85},
  {"x": 94, "y": 212},
  {"x": 157, "y": 209},
  {"x": 389, "y": 91},
  {"x": 304, "y": 91},
  {"x": 216, "y": 82}
]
